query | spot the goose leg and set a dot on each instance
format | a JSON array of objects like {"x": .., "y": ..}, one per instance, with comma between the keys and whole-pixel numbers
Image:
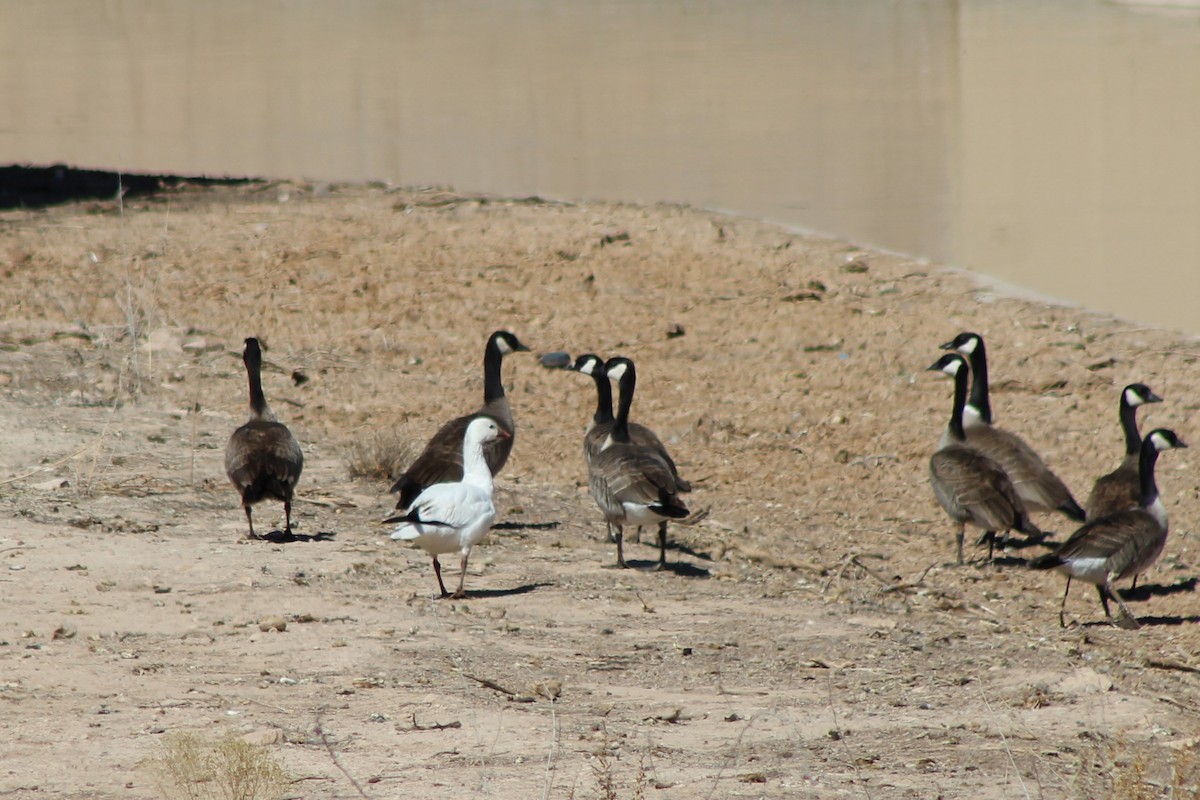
[
  {"x": 1128, "y": 620},
  {"x": 250, "y": 519},
  {"x": 662, "y": 546},
  {"x": 1062, "y": 610},
  {"x": 462, "y": 578},
  {"x": 619, "y": 538},
  {"x": 1134, "y": 585},
  {"x": 962, "y": 528},
  {"x": 437, "y": 570},
  {"x": 287, "y": 516}
]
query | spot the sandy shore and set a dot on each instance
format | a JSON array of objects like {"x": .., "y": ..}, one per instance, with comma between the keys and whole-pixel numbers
[{"x": 813, "y": 639}]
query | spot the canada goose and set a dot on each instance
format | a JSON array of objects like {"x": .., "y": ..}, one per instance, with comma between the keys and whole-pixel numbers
[
  {"x": 602, "y": 420},
  {"x": 972, "y": 487},
  {"x": 632, "y": 483},
  {"x": 441, "y": 460},
  {"x": 262, "y": 458},
  {"x": 1120, "y": 489},
  {"x": 1121, "y": 544},
  {"x": 1040, "y": 488},
  {"x": 449, "y": 517}
]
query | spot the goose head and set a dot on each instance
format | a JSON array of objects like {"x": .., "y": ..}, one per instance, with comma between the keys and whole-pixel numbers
[
  {"x": 588, "y": 364},
  {"x": 1164, "y": 439},
  {"x": 506, "y": 342},
  {"x": 1136, "y": 394},
  {"x": 965, "y": 343},
  {"x": 951, "y": 364},
  {"x": 618, "y": 367},
  {"x": 486, "y": 429}
]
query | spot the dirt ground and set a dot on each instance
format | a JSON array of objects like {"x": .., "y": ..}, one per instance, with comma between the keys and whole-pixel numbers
[{"x": 814, "y": 638}]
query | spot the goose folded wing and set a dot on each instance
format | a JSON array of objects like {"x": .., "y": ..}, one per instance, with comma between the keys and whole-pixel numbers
[
  {"x": 451, "y": 505},
  {"x": 977, "y": 483}
]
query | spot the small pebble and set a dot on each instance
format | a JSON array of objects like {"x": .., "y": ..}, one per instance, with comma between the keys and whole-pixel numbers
[{"x": 559, "y": 359}]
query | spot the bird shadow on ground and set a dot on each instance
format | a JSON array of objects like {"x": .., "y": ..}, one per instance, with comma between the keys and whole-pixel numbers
[
  {"x": 483, "y": 594},
  {"x": 1148, "y": 590},
  {"x": 1146, "y": 622},
  {"x": 525, "y": 526},
  {"x": 287, "y": 537},
  {"x": 681, "y": 568}
]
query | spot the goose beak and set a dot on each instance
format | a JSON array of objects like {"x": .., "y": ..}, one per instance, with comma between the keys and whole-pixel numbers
[
  {"x": 946, "y": 346},
  {"x": 1182, "y": 443},
  {"x": 504, "y": 434},
  {"x": 1153, "y": 398}
]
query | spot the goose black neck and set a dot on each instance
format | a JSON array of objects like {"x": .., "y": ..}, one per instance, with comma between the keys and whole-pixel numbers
[
  {"x": 979, "y": 382},
  {"x": 960, "y": 401},
  {"x": 493, "y": 388},
  {"x": 253, "y": 361},
  {"x": 1146, "y": 464},
  {"x": 604, "y": 412},
  {"x": 1133, "y": 442},
  {"x": 620, "y": 430}
]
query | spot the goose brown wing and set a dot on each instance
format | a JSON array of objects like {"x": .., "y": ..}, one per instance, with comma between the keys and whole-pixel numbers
[
  {"x": 1036, "y": 484},
  {"x": 973, "y": 486},
  {"x": 262, "y": 450},
  {"x": 632, "y": 474},
  {"x": 1119, "y": 490},
  {"x": 1128, "y": 540}
]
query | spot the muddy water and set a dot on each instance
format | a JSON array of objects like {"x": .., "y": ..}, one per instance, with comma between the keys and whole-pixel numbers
[{"x": 1052, "y": 144}]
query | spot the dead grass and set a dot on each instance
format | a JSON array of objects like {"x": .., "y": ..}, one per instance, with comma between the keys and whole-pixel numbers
[
  {"x": 189, "y": 765},
  {"x": 380, "y": 454}
]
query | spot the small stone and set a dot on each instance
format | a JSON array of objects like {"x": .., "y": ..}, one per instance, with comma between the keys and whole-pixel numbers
[
  {"x": 273, "y": 624},
  {"x": 52, "y": 484},
  {"x": 263, "y": 737},
  {"x": 558, "y": 359}
]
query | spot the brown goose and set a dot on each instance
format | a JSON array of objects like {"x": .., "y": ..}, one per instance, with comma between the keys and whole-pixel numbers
[
  {"x": 1121, "y": 544},
  {"x": 441, "y": 460},
  {"x": 262, "y": 458},
  {"x": 602, "y": 420},
  {"x": 1038, "y": 486},
  {"x": 972, "y": 487},
  {"x": 1120, "y": 489},
  {"x": 632, "y": 484}
]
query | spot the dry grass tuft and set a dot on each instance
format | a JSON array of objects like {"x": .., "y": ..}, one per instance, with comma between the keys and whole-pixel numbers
[
  {"x": 194, "y": 767},
  {"x": 380, "y": 454},
  {"x": 1122, "y": 769}
]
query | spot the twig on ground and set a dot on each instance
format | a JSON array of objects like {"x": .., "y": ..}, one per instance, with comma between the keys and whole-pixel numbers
[
  {"x": 1004, "y": 741},
  {"x": 841, "y": 737},
  {"x": 516, "y": 698},
  {"x": 437, "y": 726},
  {"x": 731, "y": 760},
  {"x": 552, "y": 756},
  {"x": 337, "y": 762}
]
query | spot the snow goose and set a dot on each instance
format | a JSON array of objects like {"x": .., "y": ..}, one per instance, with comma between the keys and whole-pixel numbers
[
  {"x": 1120, "y": 544},
  {"x": 453, "y": 517},
  {"x": 262, "y": 458},
  {"x": 972, "y": 487},
  {"x": 633, "y": 484},
  {"x": 441, "y": 460},
  {"x": 1038, "y": 486},
  {"x": 1120, "y": 489}
]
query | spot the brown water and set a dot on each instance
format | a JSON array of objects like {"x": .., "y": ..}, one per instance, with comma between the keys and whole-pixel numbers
[{"x": 1052, "y": 144}]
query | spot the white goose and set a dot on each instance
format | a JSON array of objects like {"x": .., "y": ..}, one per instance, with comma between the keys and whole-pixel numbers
[{"x": 453, "y": 517}]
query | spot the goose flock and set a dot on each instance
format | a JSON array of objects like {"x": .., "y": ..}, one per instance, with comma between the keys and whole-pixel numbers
[
  {"x": 992, "y": 479},
  {"x": 982, "y": 475}
]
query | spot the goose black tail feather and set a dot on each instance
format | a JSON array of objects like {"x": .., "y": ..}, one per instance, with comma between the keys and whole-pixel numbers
[
  {"x": 1048, "y": 561},
  {"x": 1072, "y": 510}
]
